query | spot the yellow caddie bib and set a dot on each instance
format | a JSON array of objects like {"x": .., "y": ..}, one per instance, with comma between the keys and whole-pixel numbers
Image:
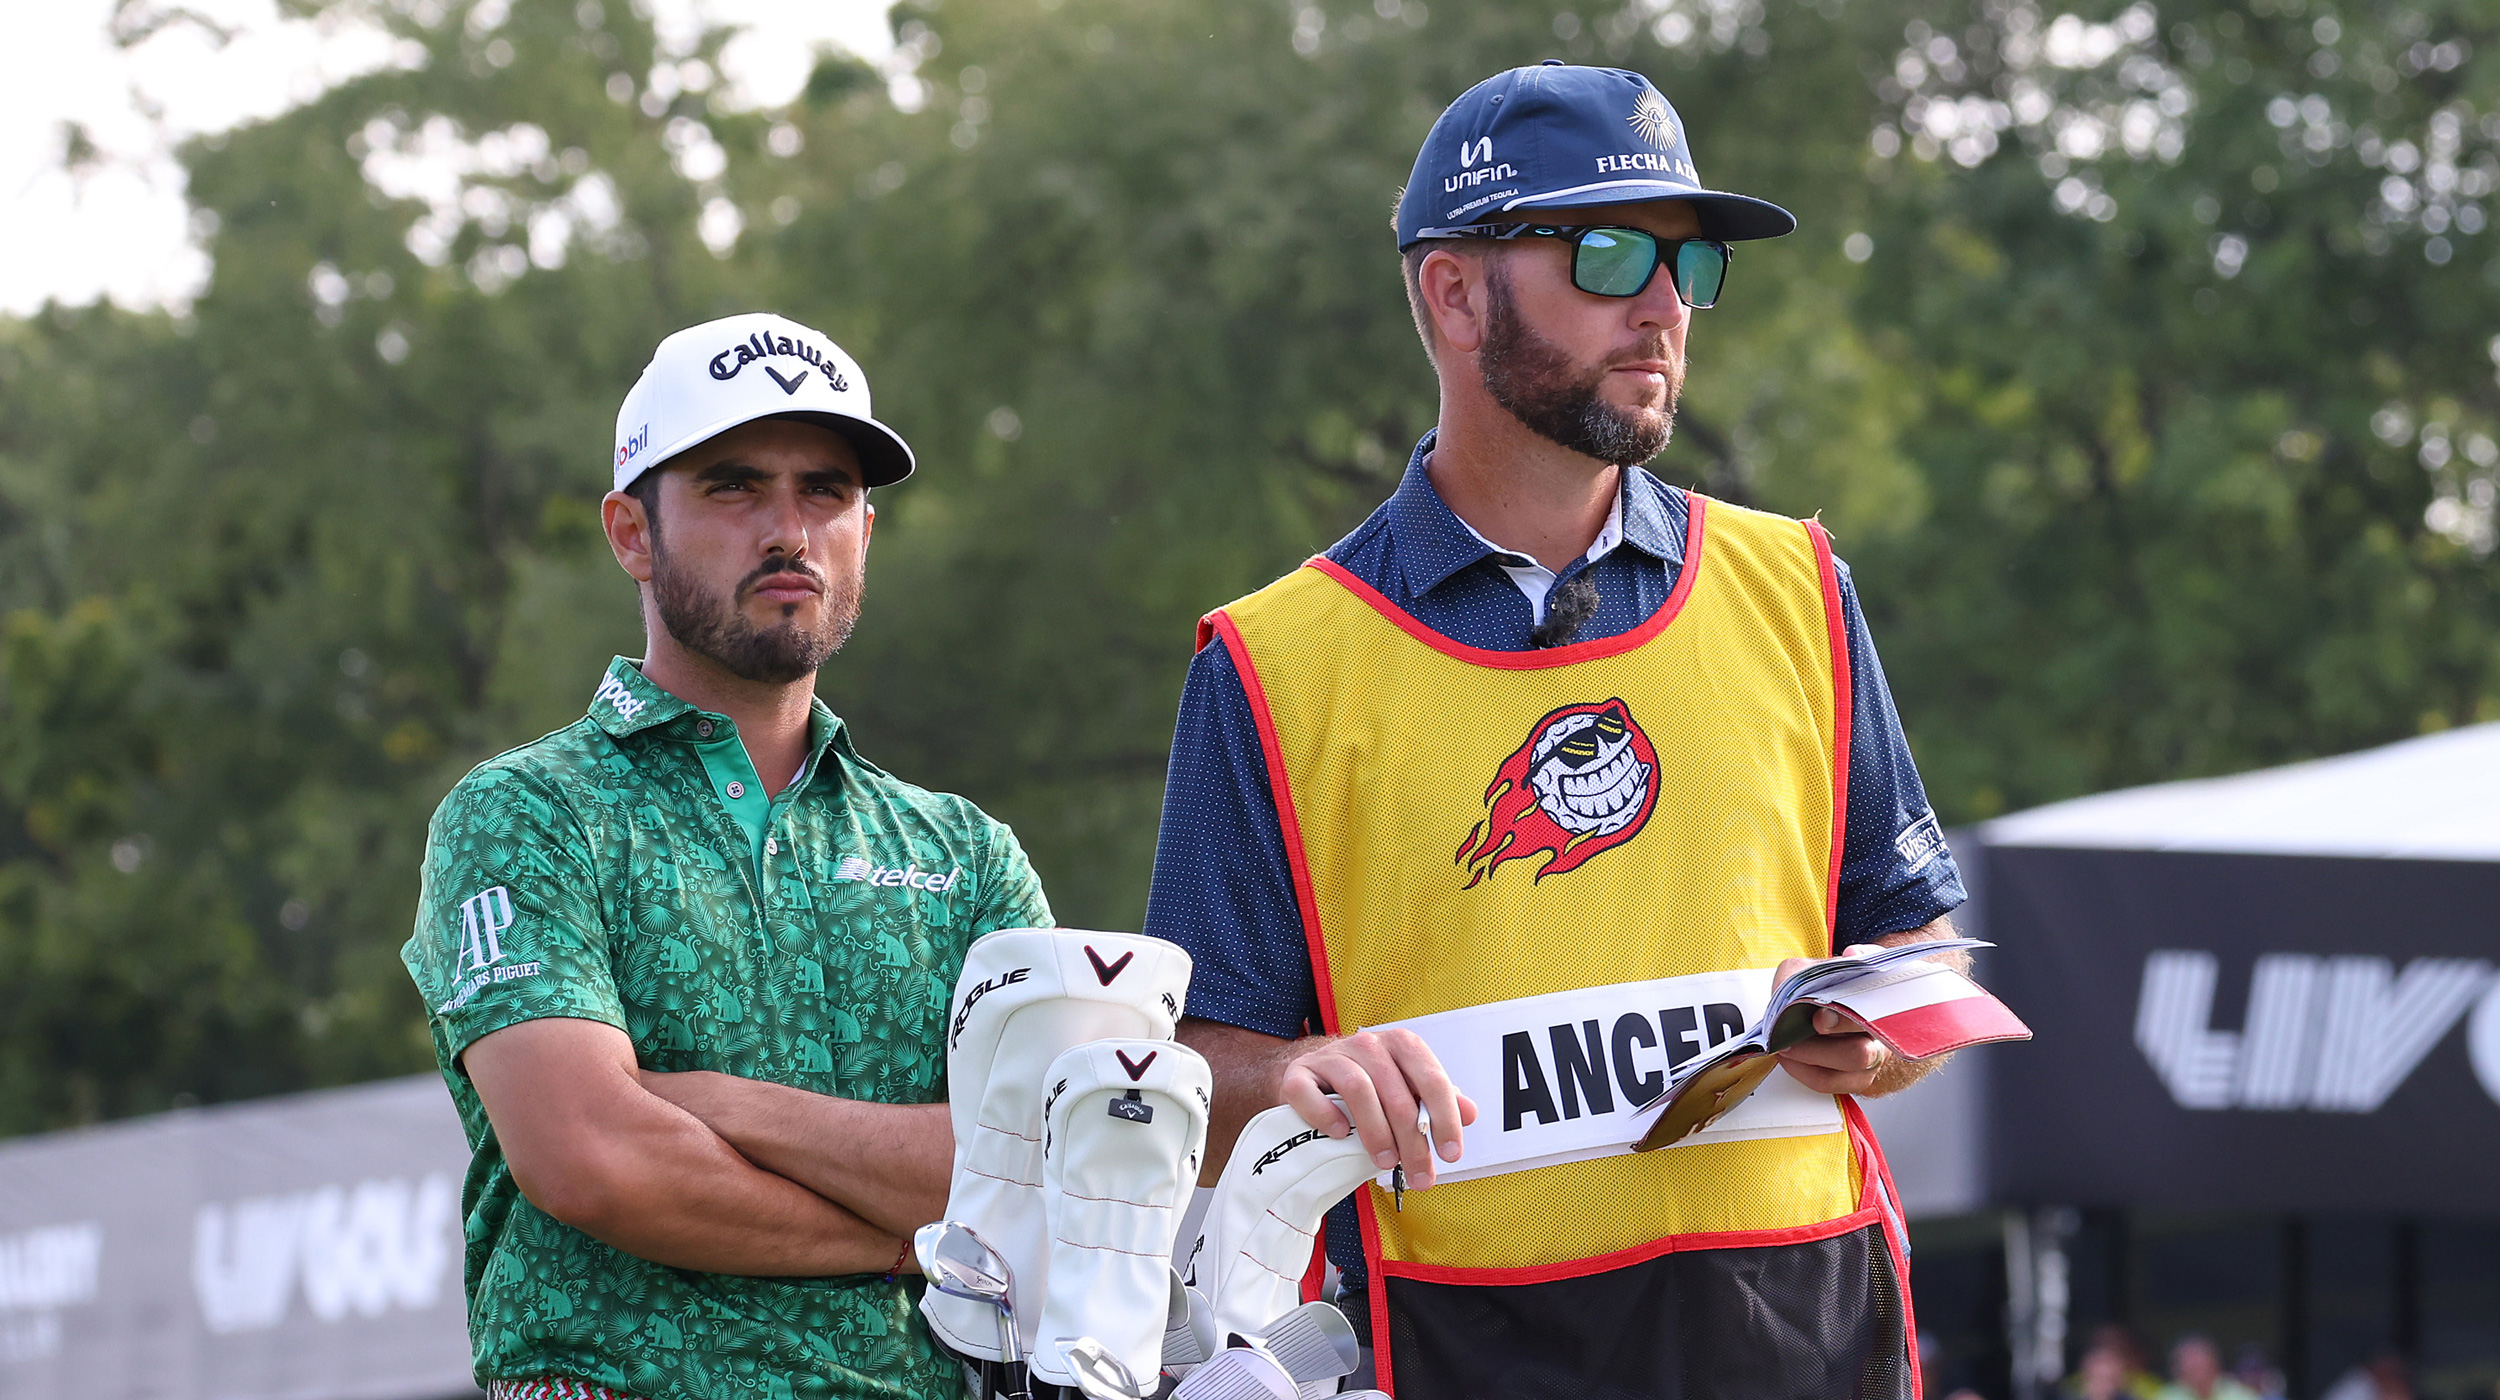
[{"x": 1470, "y": 827}]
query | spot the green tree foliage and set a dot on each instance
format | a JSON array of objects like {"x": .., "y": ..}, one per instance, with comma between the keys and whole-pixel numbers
[
  {"x": 2138, "y": 359},
  {"x": 2202, "y": 345}
]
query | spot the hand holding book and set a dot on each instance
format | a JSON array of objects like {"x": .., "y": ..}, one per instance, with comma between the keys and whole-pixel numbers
[{"x": 1915, "y": 1007}]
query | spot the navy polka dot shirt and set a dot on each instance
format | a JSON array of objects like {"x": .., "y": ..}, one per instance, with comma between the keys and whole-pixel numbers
[{"x": 1223, "y": 889}]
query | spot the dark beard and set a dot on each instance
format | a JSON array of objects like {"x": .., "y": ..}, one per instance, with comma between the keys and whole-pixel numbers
[
  {"x": 711, "y": 626},
  {"x": 1537, "y": 383}
]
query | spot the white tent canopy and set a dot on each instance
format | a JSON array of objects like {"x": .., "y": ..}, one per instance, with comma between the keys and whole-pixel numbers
[{"x": 2432, "y": 798}]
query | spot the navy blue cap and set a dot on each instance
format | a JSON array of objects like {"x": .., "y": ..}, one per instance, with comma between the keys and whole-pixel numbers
[{"x": 1557, "y": 136}]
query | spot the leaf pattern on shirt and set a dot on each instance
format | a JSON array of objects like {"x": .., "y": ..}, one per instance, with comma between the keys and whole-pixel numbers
[{"x": 635, "y": 898}]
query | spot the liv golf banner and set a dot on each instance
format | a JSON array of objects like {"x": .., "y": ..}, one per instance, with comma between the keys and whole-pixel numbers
[
  {"x": 2247, "y": 1032},
  {"x": 303, "y": 1248}
]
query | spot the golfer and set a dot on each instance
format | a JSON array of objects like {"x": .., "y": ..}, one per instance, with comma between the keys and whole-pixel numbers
[
  {"x": 1550, "y": 768},
  {"x": 688, "y": 958}
]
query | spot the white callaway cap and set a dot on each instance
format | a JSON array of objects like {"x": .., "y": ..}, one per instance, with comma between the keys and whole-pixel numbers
[{"x": 710, "y": 378}]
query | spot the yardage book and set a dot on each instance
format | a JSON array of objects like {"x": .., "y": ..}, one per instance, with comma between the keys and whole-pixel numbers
[{"x": 1915, "y": 1007}]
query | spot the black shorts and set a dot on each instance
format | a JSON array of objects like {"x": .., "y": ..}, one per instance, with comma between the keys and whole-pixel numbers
[{"x": 1816, "y": 1321}]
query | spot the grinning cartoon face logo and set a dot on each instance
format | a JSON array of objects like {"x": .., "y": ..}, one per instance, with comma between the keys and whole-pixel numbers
[{"x": 1584, "y": 782}]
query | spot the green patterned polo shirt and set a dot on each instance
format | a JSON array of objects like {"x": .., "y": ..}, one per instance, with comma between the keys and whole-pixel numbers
[{"x": 608, "y": 872}]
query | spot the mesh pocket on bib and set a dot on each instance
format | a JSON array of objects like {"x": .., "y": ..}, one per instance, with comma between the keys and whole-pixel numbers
[{"x": 1781, "y": 1322}]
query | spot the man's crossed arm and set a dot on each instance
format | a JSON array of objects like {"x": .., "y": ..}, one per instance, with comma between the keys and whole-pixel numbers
[{"x": 707, "y": 1171}]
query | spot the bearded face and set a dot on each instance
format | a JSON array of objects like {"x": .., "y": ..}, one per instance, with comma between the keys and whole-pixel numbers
[
  {"x": 1561, "y": 401},
  {"x": 720, "y": 623}
]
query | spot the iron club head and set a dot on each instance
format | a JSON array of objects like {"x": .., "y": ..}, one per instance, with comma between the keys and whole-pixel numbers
[
  {"x": 961, "y": 1263},
  {"x": 1099, "y": 1375},
  {"x": 1313, "y": 1342},
  {"x": 1239, "y": 1373},
  {"x": 1188, "y": 1329}
]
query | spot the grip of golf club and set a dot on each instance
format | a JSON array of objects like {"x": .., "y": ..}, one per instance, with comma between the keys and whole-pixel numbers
[
  {"x": 1025, "y": 997},
  {"x": 1123, "y": 1135}
]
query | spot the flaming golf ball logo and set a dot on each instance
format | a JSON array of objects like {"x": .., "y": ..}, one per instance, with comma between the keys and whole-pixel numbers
[{"x": 1584, "y": 782}]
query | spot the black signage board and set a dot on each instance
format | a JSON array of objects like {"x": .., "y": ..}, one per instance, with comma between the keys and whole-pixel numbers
[{"x": 2250, "y": 1033}]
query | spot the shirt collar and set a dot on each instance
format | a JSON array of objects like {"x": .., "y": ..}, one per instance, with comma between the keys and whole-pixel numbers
[
  {"x": 1651, "y": 519},
  {"x": 626, "y": 703},
  {"x": 1513, "y": 563},
  {"x": 1433, "y": 543}
]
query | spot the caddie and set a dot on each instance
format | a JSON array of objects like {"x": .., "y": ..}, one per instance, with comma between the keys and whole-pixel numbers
[
  {"x": 1529, "y": 788},
  {"x": 688, "y": 959}
]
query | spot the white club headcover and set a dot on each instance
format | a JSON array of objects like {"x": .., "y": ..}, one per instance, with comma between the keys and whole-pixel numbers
[
  {"x": 1025, "y": 996},
  {"x": 1123, "y": 1136},
  {"x": 1255, "y": 1243}
]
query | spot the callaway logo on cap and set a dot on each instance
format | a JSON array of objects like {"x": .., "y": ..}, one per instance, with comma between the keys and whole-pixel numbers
[
  {"x": 710, "y": 378},
  {"x": 1557, "y": 136}
]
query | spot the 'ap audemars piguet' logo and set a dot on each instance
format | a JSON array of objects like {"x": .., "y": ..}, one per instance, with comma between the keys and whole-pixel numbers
[{"x": 1584, "y": 782}]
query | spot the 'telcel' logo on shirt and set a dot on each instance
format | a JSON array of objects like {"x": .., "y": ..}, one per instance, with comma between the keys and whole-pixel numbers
[{"x": 861, "y": 870}]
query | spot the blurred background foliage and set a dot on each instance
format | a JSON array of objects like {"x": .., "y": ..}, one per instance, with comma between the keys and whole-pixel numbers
[{"x": 2142, "y": 360}]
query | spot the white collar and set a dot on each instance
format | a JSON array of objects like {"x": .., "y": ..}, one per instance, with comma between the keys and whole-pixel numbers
[{"x": 1535, "y": 580}]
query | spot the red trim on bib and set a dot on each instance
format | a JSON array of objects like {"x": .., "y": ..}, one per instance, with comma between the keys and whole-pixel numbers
[
  {"x": 1550, "y": 656},
  {"x": 1842, "y": 711},
  {"x": 1291, "y": 826},
  {"x": 1857, "y": 1219},
  {"x": 1384, "y": 1366},
  {"x": 1878, "y": 1183}
]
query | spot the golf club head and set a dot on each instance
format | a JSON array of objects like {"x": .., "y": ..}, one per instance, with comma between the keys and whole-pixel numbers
[
  {"x": 960, "y": 1264},
  {"x": 1313, "y": 1342},
  {"x": 1098, "y": 1374},
  {"x": 1189, "y": 1336},
  {"x": 1239, "y": 1373}
]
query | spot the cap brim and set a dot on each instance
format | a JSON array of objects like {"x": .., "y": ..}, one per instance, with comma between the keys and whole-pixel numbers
[
  {"x": 1730, "y": 217},
  {"x": 884, "y": 458}
]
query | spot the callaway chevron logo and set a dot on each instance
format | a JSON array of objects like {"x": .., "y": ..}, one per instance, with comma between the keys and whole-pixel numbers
[{"x": 1105, "y": 971}]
